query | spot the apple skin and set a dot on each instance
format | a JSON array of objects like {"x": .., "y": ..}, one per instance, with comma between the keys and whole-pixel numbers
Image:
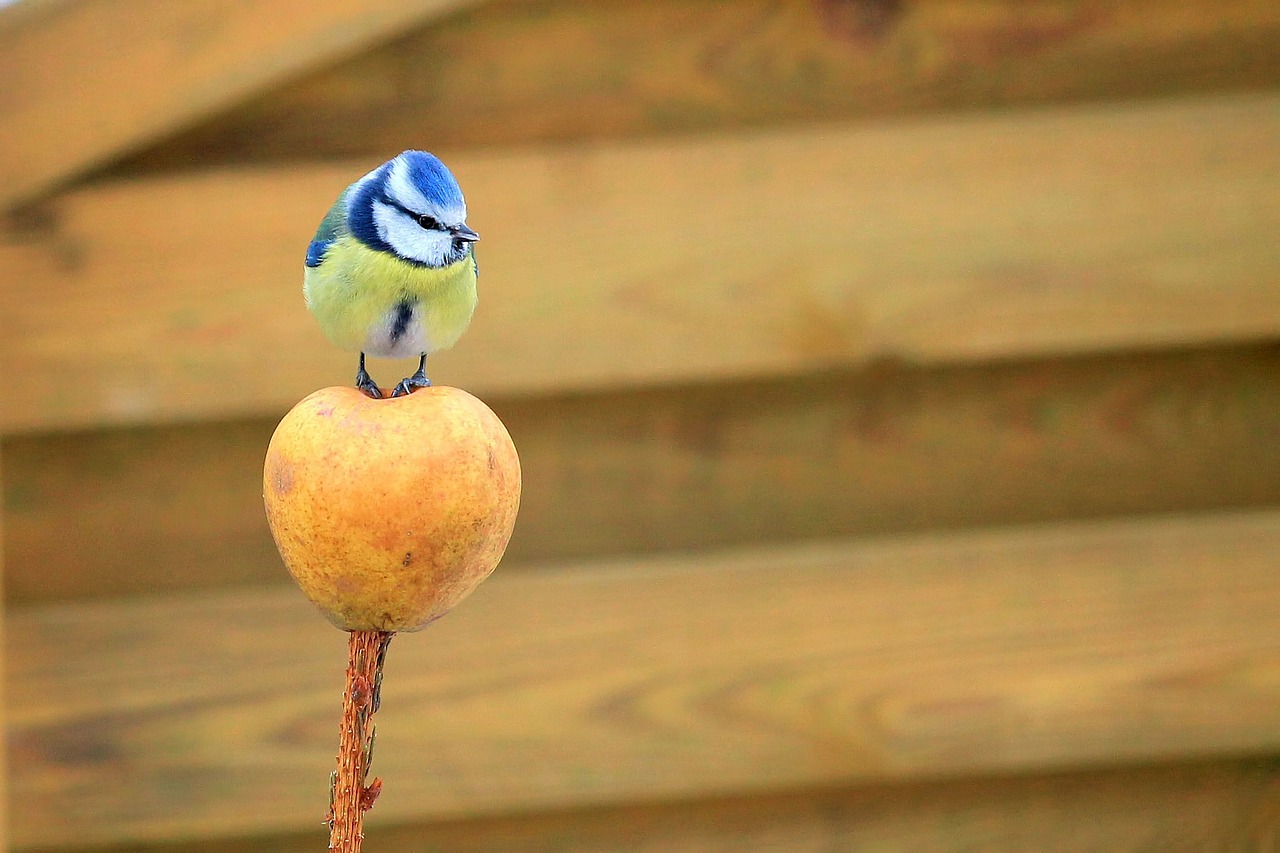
[{"x": 389, "y": 512}]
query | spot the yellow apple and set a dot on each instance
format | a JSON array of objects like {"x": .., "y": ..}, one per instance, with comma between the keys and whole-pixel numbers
[{"x": 389, "y": 512}]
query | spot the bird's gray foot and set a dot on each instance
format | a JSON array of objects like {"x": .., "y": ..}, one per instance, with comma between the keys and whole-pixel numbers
[
  {"x": 365, "y": 382},
  {"x": 411, "y": 383}
]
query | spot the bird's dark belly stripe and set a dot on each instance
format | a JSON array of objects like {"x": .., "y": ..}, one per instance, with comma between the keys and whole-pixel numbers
[{"x": 404, "y": 314}]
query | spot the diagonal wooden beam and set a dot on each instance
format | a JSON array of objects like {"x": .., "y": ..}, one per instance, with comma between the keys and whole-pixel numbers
[
  {"x": 628, "y": 68},
  {"x": 87, "y": 80}
]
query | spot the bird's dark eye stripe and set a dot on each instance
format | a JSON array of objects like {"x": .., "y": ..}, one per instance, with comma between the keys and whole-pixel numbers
[{"x": 428, "y": 222}]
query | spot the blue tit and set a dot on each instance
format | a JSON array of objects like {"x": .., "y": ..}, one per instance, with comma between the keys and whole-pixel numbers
[{"x": 391, "y": 271}]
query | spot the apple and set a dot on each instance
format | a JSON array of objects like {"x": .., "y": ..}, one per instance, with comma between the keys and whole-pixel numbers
[{"x": 389, "y": 512}]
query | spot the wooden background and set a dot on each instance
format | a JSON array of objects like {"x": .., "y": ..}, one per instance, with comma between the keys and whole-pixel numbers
[{"x": 896, "y": 383}]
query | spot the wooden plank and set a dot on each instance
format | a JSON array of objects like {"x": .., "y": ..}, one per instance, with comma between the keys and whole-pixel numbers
[
  {"x": 1225, "y": 805},
  {"x": 4, "y": 747},
  {"x": 74, "y": 99},
  {"x": 954, "y": 239},
  {"x": 887, "y": 450},
  {"x": 574, "y": 69},
  {"x": 712, "y": 674}
]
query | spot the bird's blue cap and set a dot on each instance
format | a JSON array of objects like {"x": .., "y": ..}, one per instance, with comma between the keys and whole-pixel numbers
[
  {"x": 415, "y": 181},
  {"x": 432, "y": 178}
]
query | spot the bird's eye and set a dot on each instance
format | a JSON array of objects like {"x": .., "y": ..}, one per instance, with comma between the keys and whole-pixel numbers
[{"x": 428, "y": 222}]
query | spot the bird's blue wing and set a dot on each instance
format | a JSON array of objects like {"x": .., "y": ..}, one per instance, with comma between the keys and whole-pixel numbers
[
  {"x": 315, "y": 252},
  {"x": 333, "y": 226}
]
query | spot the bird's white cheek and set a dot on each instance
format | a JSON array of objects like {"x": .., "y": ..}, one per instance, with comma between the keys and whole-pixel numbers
[{"x": 408, "y": 238}]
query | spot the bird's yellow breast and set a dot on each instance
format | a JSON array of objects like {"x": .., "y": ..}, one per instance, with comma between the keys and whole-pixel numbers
[{"x": 356, "y": 291}]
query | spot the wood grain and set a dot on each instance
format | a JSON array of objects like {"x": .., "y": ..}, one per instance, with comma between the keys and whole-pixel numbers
[
  {"x": 4, "y": 747},
  {"x": 519, "y": 72},
  {"x": 1224, "y": 805},
  {"x": 935, "y": 241},
  {"x": 75, "y": 96},
  {"x": 884, "y": 450},
  {"x": 738, "y": 672}
]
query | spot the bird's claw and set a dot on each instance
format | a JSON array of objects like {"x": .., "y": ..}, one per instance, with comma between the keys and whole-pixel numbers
[
  {"x": 410, "y": 384},
  {"x": 365, "y": 382}
]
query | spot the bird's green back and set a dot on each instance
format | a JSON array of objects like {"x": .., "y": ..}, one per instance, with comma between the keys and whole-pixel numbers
[{"x": 334, "y": 224}]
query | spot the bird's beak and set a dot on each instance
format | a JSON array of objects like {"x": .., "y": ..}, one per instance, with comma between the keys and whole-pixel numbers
[{"x": 462, "y": 232}]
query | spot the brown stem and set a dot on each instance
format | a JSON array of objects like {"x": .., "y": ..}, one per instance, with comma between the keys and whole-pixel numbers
[{"x": 349, "y": 796}]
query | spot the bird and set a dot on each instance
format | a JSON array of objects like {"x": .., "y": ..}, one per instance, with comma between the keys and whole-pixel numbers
[{"x": 391, "y": 271}]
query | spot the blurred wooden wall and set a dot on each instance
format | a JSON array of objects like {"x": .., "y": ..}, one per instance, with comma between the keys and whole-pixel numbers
[{"x": 896, "y": 383}]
